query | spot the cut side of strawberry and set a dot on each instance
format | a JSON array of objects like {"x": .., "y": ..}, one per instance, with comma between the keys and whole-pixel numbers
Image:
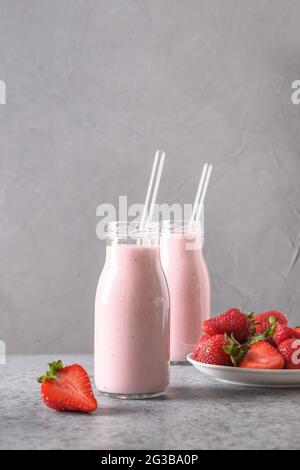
[
  {"x": 67, "y": 388},
  {"x": 262, "y": 355}
]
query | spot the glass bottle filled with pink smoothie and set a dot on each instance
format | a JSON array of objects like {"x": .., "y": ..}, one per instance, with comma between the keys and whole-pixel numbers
[
  {"x": 132, "y": 328},
  {"x": 188, "y": 281}
]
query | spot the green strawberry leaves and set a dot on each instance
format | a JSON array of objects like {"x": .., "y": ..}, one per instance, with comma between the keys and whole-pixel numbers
[
  {"x": 252, "y": 322},
  {"x": 235, "y": 350},
  {"x": 238, "y": 351},
  {"x": 269, "y": 332},
  {"x": 54, "y": 367}
]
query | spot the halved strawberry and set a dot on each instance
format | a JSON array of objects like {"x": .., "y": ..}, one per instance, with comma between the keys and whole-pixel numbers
[
  {"x": 67, "y": 388},
  {"x": 262, "y": 355}
]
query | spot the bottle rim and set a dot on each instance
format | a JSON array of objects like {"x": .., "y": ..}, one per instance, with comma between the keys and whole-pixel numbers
[
  {"x": 132, "y": 230},
  {"x": 181, "y": 226}
]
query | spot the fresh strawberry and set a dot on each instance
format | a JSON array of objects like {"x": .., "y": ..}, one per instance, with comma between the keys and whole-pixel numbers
[
  {"x": 290, "y": 350},
  {"x": 233, "y": 323},
  {"x": 67, "y": 388},
  {"x": 211, "y": 351},
  {"x": 199, "y": 342},
  {"x": 283, "y": 332},
  {"x": 262, "y": 355},
  {"x": 261, "y": 320}
]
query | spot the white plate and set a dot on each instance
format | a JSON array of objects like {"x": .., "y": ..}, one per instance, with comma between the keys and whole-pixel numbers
[{"x": 249, "y": 377}]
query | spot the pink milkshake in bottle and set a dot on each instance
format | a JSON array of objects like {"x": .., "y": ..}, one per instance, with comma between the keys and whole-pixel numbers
[
  {"x": 188, "y": 282},
  {"x": 132, "y": 315}
]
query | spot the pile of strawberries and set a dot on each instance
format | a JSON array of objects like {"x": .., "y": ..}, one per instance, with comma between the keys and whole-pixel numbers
[{"x": 254, "y": 340}]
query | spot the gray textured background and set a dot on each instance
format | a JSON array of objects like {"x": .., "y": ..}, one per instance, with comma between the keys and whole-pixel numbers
[{"x": 93, "y": 88}]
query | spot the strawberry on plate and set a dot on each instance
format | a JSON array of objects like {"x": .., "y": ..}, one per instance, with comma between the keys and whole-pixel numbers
[
  {"x": 232, "y": 322},
  {"x": 67, "y": 388},
  {"x": 199, "y": 342},
  {"x": 262, "y": 355},
  {"x": 284, "y": 332},
  {"x": 261, "y": 320},
  {"x": 290, "y": 350},
  {"x": 210, "y": 350}
]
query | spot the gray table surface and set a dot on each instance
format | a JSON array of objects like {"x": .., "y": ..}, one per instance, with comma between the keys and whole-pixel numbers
[{"x": 195, "y": 413}]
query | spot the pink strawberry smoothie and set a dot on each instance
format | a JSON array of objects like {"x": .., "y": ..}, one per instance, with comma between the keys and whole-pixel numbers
[
  {"x": 132, "y": 323},
  {"x": 189, "y": 289}
]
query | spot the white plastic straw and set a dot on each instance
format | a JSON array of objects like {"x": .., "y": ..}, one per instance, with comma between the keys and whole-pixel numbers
[
  {"x": 198, "y": 194},
  {"x": 204, "y": 191},
  {"x": 154, "y": 181},
  {"x": 205, "y": 186}
]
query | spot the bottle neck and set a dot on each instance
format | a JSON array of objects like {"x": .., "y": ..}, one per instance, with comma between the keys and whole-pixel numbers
[
  {"x": 133, "y": 234},
  {"x": 133, "y": 256},
  {"x": 185, "y": 241}
]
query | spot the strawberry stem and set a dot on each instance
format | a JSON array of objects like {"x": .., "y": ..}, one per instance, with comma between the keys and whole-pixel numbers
[
  {"x": 54, "y": 367},
  {"x": 238, "y": 351},
  {"x": 252, "y": 322},
  {"x": 235, "y": 350},
  {"x": 270, "y": 331}
]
